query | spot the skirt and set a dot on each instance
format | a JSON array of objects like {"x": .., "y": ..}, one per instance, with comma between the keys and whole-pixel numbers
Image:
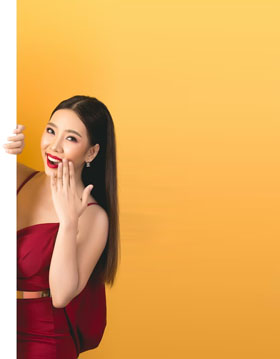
[{"x": 43, "y": 331}]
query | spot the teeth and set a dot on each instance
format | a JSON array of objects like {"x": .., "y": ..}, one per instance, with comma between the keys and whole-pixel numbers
[{"x": 53, "y": 160}]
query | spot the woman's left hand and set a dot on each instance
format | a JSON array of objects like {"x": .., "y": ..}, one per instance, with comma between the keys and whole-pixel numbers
[{"x": 67, "y": 203}]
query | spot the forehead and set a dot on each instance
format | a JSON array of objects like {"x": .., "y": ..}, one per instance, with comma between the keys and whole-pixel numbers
[{"x": 67, "y": 118}]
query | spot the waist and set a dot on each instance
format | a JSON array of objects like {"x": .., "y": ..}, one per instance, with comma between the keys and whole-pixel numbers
[{"x": 28, "y": 294}]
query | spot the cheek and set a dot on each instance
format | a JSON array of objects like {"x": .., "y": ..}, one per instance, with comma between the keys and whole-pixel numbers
[
  {"x": 73, "y": 152},
  {"x": 44, "y": 141}
]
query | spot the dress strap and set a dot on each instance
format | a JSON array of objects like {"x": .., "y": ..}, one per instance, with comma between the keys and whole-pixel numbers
[{"x": 26, "y": 180}]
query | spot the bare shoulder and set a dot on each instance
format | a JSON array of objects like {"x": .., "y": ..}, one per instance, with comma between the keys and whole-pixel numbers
[{"x": 23, "y": 172}]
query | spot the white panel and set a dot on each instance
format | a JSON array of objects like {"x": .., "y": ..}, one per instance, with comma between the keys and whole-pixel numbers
[{"x": 8, "y": 180}]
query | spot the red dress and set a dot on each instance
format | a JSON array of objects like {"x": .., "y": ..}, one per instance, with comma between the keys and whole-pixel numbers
[{"x": 43, "y": 331}]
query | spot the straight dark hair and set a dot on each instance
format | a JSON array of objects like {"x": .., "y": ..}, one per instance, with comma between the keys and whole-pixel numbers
[{"x": 102, "y": 173}]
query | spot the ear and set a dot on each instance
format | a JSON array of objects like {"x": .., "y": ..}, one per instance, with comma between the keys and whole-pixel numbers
[{"x": 92, "y": 152}]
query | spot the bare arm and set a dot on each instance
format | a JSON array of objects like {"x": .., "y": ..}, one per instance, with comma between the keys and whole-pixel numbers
[
  {"x": 76, "y": 252},
  {"x": 63, "y": 273}
]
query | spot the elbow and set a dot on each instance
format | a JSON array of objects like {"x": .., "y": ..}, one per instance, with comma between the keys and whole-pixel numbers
[{"x": 60, "y": 302}]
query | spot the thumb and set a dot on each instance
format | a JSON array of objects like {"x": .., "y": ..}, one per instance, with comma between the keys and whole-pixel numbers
[
  {"x": 86, "y": 193},
  {"x": 19, "y": 128}
]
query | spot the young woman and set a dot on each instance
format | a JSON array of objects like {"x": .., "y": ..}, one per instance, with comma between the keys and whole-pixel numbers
[{"x": 68, "y": 232}]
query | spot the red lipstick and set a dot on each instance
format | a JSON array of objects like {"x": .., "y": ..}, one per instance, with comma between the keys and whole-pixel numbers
[
  {"x": 55, "y": 157},
  {"x": 52, "y": 164}
]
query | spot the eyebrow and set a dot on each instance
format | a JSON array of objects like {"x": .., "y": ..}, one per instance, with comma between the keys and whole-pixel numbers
[{"x": 73, "y": 131}]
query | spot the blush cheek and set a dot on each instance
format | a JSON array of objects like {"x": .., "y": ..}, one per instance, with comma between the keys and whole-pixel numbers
[
  {"x": 43, "y": 147},
  {"x": 73, "y": 154},
  {"x": 44, "y": 142}
]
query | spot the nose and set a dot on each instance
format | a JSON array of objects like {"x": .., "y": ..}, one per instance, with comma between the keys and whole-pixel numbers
[{"x": 56, "y": 145}]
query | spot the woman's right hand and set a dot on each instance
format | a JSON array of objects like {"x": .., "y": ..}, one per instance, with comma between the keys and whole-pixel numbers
[{"x": 17, "y": 144}]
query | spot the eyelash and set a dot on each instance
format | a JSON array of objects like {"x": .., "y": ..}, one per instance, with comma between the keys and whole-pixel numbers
[{"x": 48, "y": 128}]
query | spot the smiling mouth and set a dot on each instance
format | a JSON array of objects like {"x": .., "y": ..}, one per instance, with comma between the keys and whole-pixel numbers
[{"x": 53, "y": 163}]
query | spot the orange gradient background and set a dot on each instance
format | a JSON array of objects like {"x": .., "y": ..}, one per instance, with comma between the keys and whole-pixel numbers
[{"x": 193, "y": 89}]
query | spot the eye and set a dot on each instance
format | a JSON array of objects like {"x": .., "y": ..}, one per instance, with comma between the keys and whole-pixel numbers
[
  {"x": 74, "y": 139},
  {"x": 49, "y": 128}
]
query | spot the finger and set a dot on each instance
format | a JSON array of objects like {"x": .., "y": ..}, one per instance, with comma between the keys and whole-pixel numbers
[
  {"x": 14, "y": 151},
  {"x": 59, "y": 177},
  {"x": 53, "y": 182},
  {"x": 18, "y": 137},
  {"x": 65, "y": 174},
  {"x": 19, "y": 129},
  {"x": 13, "y": 145},
  {"x": 72, "y": 177},
  {"x": 86, "y": 194}
]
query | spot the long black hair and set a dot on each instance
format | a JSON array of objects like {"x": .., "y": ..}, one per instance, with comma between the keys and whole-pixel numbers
[{"x": 102, "y": 173}]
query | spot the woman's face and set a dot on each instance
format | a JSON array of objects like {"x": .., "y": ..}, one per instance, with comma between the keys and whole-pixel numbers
[{"x": 65, "y": 136}]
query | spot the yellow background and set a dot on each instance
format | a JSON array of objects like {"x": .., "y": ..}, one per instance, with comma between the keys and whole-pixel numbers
[{"x": 193, "y": 89}]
